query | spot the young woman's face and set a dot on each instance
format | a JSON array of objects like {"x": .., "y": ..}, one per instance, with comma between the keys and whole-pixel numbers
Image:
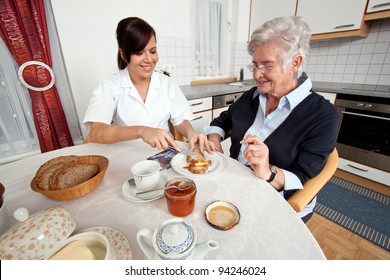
[
  {"x": 269, "y": 74},
  {"x": 142, "y": 64}
]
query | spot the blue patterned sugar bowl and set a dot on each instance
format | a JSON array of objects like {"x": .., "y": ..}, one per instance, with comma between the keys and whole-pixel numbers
[{"x": 175, "y": 239}]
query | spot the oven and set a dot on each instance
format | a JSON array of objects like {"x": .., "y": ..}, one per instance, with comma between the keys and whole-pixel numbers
[{"x": 364, "y": 134}]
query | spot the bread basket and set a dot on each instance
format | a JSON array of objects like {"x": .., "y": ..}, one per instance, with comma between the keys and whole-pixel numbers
[{"x": 80, "y": 189}]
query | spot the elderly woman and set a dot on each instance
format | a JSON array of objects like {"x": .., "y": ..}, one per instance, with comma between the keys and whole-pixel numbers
[{"x": 282, "y": 129}]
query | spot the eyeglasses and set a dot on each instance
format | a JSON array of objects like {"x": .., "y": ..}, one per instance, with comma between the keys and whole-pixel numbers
[{"x": 262, "y": 68}]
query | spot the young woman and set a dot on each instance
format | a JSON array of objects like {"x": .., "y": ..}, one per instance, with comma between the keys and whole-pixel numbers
[{"x": 138, "y": 102}]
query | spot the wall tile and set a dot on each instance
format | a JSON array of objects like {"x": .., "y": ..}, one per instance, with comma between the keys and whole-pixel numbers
[
  {"x": 358, "y": 60},
  {"x": 347, "y": 60}
]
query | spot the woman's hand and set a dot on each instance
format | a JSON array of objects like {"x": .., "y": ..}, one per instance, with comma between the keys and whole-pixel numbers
[
  {"x": 215, "y": 138},
  {"x": 257, "y": 155},
  {"x": 203, "y": 143},
  {"x": 158, "y": 138}
]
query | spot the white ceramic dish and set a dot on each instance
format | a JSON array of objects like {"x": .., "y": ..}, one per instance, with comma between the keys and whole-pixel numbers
[
  {"x": 129, "y": 191},
  {"x": 222, "y": 215},
  {"x": 97, "y": 243},
  {"x": 117, "y": 239},
  {"x": 179, "y": 161},
  {"x": 36, "y": 234}
]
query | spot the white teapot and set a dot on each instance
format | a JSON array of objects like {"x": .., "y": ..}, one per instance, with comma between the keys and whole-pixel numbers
[{"x": 175, "y": 239}]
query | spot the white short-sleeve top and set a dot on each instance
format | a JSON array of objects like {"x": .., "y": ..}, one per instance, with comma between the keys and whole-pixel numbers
[{"x": 116, "y": 101}]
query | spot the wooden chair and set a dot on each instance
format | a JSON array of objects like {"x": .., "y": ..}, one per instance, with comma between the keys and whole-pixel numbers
[
  {"x": 301, "y": 198},
  {"x": 87, "y": 139}
]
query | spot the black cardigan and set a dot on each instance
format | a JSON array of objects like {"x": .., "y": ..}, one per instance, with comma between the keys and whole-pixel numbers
[{"x": 301, "y": 144}]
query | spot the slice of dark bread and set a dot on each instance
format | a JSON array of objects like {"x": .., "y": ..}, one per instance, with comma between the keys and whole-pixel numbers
[
  {"x": 54, "y": 161},
  {"x": 46, "y": 170},
  {"x": 75, "y": 174}
]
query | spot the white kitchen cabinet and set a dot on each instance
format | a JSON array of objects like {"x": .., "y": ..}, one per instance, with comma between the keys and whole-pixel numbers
[
  {"x": 377, "y": 5},
  {"x": 328, "y": 95},
  {"x": 201, "y": 120},
  {"x": 217, "y": 112},
  {"x": 377, "y": 9},
  {"x": 263, "y": 10},
  {"x": 333, "y": 16},
  {"x": 202, "y": 109},
  {"x": 201, "y": 104},
  {"x": 365, "y": 171}
]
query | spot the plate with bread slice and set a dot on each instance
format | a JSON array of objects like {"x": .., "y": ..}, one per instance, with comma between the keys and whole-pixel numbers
[{"x": 199, "y": 165}]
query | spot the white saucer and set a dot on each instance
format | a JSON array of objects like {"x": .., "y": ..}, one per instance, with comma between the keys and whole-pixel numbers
[
  {"x": 117, "y": 239},
  {"x": 129, "y": 191}
]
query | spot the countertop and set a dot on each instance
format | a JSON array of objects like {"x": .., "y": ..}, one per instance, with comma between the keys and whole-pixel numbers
[{"x": 209, "y": 90}]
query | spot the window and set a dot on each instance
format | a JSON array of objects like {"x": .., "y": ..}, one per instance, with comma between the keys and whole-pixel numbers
[
  {"x": 17, "y": 130},
  {"x": 211, "y": 37}
]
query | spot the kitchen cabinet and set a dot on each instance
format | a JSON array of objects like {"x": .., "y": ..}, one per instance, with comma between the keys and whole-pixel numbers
[
  {"x": 202, "y": 109},
  {"x": 377, "y": 9},
  {"x": 365, "y": 171},
  {"x": 328, "y": 95},
  {"x": 334, "y": 18},
  {"x": 263, "y": 10},
  {"x": 217, "y": 112}
]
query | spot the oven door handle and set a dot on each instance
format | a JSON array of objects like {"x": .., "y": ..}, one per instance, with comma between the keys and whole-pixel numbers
[{"x": 363, "y": 115}]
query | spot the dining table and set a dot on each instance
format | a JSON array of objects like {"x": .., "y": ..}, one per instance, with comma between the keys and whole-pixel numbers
[{"x": 268, "y": 228}]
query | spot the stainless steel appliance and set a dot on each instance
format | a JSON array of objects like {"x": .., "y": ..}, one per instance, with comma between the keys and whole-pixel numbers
[
  {"x": 364, "y": 134},
  {"x": 225, "y": 100}
]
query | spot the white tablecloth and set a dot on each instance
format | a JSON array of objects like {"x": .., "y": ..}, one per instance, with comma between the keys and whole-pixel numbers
[{"x": 269, "y": 229}]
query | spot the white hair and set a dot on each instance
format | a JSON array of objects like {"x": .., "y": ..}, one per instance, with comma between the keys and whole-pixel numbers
[{"x": 292, "y": 35}]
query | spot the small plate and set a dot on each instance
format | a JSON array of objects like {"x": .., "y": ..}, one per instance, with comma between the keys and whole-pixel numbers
[
  {"x": 218, "y": 163},
  {"x": 117, "y": 239},
  {"x": 129, "y": 191},
  {"x": 222, "y": 215}
]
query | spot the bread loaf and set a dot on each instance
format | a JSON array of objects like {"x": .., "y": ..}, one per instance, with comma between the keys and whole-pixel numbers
[
  {"x": 75, "y": 174},
  {"x": 64, "y": 172},
  {"x": 46, "y": 171}
]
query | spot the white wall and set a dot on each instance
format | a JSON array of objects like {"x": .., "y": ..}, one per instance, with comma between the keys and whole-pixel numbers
[{"x": 87, "y": 35}]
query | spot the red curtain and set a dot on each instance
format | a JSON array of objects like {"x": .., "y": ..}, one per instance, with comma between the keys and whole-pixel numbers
[{"x": 24, "y": 31}]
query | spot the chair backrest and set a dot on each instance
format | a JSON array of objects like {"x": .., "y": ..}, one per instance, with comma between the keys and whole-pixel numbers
[
  {"x": 301, "y": 198},
  {"x": 87, "y": 139}
]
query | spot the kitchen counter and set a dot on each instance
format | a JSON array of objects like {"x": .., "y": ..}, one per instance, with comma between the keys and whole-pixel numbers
[
  {"x": 354, "y": 89},
  {"x": 209, "y": 90}
]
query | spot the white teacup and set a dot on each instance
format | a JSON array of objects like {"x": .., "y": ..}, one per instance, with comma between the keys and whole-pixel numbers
[{"x": 146, "y": 175}]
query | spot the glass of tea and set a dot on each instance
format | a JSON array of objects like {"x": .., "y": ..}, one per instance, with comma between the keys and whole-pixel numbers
[{"x": 180, "y": 199}]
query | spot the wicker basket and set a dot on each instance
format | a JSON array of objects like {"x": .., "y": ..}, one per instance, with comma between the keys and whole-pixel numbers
[{"x": 80, "y": 189}]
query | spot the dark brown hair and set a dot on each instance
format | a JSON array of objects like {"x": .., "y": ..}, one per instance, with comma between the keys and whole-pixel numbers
[{"x": 132, "y": 34}]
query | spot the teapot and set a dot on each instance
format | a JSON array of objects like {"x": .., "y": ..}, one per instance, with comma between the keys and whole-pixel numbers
[{"x": 174, "y": 239}]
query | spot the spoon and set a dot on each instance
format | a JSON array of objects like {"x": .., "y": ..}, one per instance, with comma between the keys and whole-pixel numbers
[{"x": 183, "y": 185}]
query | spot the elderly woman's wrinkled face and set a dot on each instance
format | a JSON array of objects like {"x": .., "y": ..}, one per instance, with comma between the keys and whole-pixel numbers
[{"x": 268, "y": 72}]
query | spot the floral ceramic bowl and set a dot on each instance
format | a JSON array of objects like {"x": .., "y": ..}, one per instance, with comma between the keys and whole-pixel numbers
[{"x": 37, "y": 235}]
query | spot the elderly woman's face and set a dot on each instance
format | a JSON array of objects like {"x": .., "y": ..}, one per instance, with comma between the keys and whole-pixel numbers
[{"x": 269, "y": 74}]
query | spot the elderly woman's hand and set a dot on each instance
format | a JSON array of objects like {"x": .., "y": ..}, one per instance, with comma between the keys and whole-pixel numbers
[
  {"x": 202, "y": 142},
  {"x": 256, "y": 154}
]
